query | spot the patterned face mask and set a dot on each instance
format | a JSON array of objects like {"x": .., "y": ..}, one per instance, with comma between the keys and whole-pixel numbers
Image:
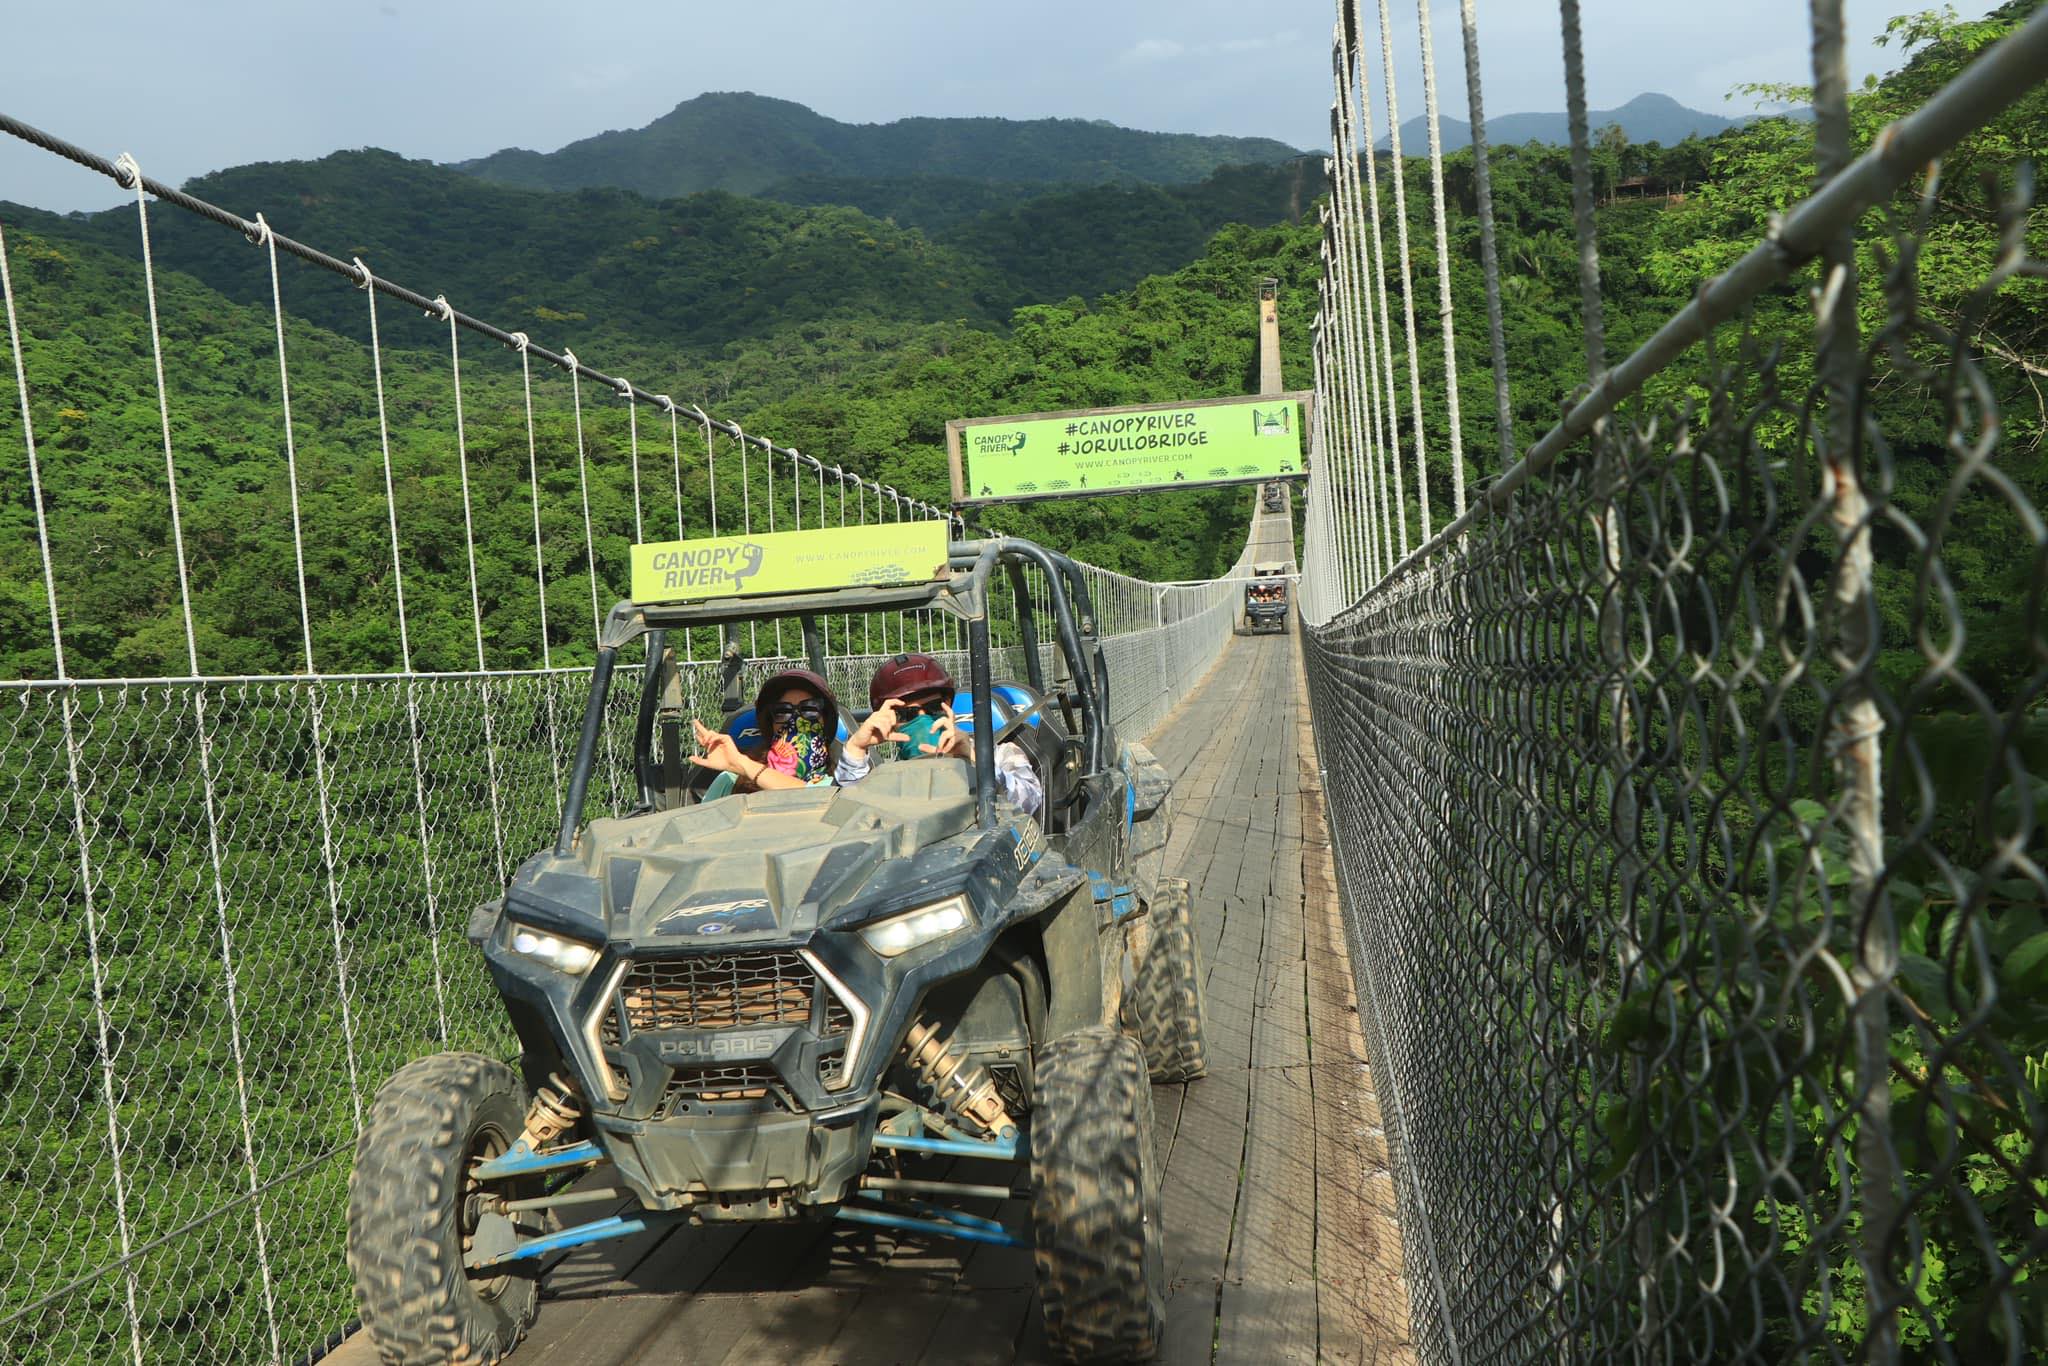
[{"x": 800, "y": 748}]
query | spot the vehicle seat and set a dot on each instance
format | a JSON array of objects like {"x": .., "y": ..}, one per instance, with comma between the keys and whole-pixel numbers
[{"x": 1043, "y": 739}]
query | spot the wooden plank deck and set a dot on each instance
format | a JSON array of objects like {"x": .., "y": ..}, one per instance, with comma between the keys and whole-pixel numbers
[{"x": 1281, "y": 1241}]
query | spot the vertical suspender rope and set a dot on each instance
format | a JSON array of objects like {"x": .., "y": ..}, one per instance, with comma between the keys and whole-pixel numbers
[
  {"x": 1443, "y": 262},
  {"x": 675, "y": 450},
  {"x": 1353, "y": 295},
  {"x": 1324, "y": 401},
  {"x": 412, "y": 705},
  {"x": 867, "y": 620},
  {"x": 824, "y": 622},
  {"x": 1619, "y": 797},
  {"x": 633, "y": 444},
  {"x": 1489, "y": 247},
  {"x": 1407, "y": 272},
  {"x": 1390, "y": 403},
  {"x": 739, "y": 434},
  {"x": 583, "y": 484},
  {"x": 204, "y": 745},
  {"x": 1359, "y": 305},
  {"x": 1343, "y": 396},
  {"x": 329, "y": 858},
  {"x": 845, "y": 620},
  {"x": 1590, "y": 318},
  {"x": 540, "y": 571},
  {"x": 710, "y": 464},
  {"x": 1343, "y": 419},
  {"x": 476, "y": 613},
  {"x": 74, "y": 772},
  {"x": 1857, "y": 723}
]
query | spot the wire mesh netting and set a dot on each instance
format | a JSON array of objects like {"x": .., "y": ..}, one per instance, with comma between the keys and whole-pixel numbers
[{"x": 1689, "y": 810}]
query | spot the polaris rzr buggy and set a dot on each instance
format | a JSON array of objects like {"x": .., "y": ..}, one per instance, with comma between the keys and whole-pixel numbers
[
  {"x": 795, "y": 1005},
  {"x": 1265, "y": 599}
]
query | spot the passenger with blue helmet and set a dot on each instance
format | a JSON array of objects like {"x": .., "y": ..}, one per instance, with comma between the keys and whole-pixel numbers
[{"x": 913, "y": 700}]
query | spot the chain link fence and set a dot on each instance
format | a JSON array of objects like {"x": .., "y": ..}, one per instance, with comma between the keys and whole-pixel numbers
[{"x": 1689, "y": 807}]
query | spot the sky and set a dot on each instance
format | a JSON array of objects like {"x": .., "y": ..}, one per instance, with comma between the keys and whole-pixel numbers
[{"x": 192, "y": 86}]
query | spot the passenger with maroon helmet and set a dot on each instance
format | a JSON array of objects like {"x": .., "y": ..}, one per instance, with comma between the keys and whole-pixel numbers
[
  {"x": 798, "y": 718},
  {"x": 912, "y": 696}
]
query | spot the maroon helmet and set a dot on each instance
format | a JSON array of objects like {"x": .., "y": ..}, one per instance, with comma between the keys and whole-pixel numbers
[{"x": 907, "y": 676}]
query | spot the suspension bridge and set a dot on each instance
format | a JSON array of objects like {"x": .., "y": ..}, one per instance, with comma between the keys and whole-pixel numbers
[{"x": 1621, "y": 892}]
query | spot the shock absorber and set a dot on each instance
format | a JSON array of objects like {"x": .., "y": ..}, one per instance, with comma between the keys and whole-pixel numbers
[
  {"x": 957, "y": 1082},
  {"x": 555, "y": 1109}
]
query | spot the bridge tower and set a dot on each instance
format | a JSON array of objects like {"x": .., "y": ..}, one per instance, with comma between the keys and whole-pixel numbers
[{"x": 1269, "y": 338}]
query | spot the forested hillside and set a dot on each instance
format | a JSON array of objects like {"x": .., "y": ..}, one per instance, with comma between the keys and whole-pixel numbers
[
  {"x": 853, "y": 338},
  {"x": 732, "y": 140}
]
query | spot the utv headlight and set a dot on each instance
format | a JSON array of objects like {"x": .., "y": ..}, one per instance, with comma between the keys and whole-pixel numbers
[
  {"x": 899, "y": 934},
  {"x": 571, "y": 956}
]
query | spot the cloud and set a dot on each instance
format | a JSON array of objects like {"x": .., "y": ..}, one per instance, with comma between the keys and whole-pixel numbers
[{"x": 1154, "y": 50}]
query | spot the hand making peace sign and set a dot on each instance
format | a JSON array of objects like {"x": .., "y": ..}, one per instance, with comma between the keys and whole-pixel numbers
[{"x": 880, "y": 726}]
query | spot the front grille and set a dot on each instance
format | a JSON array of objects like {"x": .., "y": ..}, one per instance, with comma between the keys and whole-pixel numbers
[
  {"x": 725, "y": 991},
  {"x": 755, "y": 990},
  {"x": 753, "y": 1085}
]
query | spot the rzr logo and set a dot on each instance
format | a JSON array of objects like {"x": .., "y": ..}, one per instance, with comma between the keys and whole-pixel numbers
[{"x": 719, "y": 917}]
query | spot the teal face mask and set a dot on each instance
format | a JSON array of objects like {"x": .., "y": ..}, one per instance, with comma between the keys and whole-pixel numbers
[{"x": 922, "y": 730}]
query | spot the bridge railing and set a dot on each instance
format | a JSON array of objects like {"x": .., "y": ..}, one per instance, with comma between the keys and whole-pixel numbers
[
  {"x": 232, "y": 900},
  {"x": 1689, "y": 787}
]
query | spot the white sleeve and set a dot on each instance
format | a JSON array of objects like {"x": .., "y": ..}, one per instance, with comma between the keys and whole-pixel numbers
[
  {"x": 1018, "y": 779},
  {"x": 849, "y": 769}
]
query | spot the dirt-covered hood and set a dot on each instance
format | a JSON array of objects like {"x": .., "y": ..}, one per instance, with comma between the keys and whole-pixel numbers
[{"x": 772, "y": 863}]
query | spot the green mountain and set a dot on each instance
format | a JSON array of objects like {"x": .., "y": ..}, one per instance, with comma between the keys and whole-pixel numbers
[
  {"x": 746, "y": 143},
  {"x": 1648, "y": 117},
  {"x": 684, "y": 273},
  {"x": 711, "y": 269}
]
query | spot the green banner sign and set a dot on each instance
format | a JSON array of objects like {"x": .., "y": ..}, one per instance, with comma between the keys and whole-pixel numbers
[
  {"x": 789, "y": 562},
  {"x": 1109, "y": 450}
]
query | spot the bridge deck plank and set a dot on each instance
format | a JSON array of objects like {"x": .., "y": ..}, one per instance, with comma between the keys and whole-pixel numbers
[{"x": 1278, "y": 1206}]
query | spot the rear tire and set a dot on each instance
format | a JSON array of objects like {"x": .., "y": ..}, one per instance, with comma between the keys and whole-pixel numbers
[
  {"x": 1095, "y": 1200},
  {"x": 1166, "y": 989},
  {"x": 407, "y": 1197}
]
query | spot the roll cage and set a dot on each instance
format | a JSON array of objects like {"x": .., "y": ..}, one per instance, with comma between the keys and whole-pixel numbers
[{"x": 962, "y": 592}]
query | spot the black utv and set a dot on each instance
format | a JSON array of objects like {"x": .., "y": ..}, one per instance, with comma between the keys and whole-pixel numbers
[{"x": 799, "y": 1005}]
